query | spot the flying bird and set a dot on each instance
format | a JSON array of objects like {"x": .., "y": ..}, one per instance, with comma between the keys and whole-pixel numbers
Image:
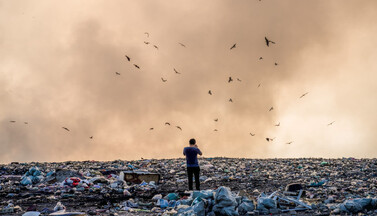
[
  {"x": 234, "y": 46},
  {"x": 12, "y": 121},
  {"x": 258, "y": 85},
  {"x": 146, "y": 34},
  {"x": 117, "y": 73},
  {"x": 330, "y": 123},
  {"x": 167, "y": 123},
  {"x": 136, "y": 66},
  {"x": 210, "y": 92},
  {"x": 176, "y": 71},
  {"x": 155, "y": 46},
  {"x": 146, "y": 42},
  {"x": 65, "y": 128},
  {"x": 268, "y": 41},
  {"x": 182, "y": 44},
  {"x": 278, "y": 124},
  {"x": 260, "y": 58},
  {"x": 26, "y": 122},
  {"x": 271, "y": 109},
  {"x": 230, "y": 79},
  {"x": 128, "y": 58},
  {"x": 91, "y": 137},
  {"x": 252, "y": 134},
  {"x": 230, "y": 100},
  {"x": 151, "y": 128},
  {"x": 215, "y": 130},
  {"x": 289, "y": 142},
  {"x": 304, "y": 95},
  {"x": 216, "y": 119},
  {"x": 178, "y": 127},
  {"x": 276, "y": 64},
  {"x": 239, "y": 80},
  {"x": 163, "y": 80},
  {"x": 270, "y": 139}
]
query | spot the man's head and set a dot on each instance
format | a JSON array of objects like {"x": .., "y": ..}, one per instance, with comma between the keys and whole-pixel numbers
[{"x": 192, "y": 141}]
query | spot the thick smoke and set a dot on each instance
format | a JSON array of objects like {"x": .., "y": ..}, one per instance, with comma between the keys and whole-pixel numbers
[{"x": 59, "y": 61}]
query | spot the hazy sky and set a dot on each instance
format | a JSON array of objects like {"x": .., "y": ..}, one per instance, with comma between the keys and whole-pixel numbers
[{"x": 58, "y": 64}]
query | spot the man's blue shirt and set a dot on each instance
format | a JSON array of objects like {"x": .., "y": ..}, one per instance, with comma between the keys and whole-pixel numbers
[{"x": 191, "y": 156}]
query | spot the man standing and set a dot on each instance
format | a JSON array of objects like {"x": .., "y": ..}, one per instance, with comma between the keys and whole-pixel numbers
[{"x": 191, "y": 154}]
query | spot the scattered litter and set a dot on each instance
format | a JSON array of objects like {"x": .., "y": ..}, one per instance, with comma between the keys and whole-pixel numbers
[{"x": 231, "y": 186}]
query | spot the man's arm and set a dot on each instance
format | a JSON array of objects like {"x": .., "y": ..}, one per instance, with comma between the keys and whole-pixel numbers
[
  {"x": 199, "y": 152},
  {"x": 184, "y": 152}
]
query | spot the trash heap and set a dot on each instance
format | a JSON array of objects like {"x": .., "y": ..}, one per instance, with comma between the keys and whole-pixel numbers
[
  {"x": 33, "y": 176},
  {"x": 230, "y": 186}
]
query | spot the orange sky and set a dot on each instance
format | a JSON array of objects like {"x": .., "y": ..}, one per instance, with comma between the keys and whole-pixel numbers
[{"x": 58, "y": 62}]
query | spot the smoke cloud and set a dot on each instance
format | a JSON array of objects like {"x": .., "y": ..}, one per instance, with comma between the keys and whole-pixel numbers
[{"x": 59, "y": 60}]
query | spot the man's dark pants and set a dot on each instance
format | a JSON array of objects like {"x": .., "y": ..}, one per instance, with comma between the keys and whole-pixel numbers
[{"x": 190, "y": 172}]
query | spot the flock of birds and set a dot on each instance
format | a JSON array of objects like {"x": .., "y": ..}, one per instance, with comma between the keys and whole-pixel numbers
[
  {"x": 268, "y": 42},
  {"x": 230, "y": 79}
]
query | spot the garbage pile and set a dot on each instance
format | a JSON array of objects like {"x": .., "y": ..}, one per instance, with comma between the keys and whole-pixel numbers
[
  {"x": 33, "y": 176},
  {"x": 230, "y": 186}
]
